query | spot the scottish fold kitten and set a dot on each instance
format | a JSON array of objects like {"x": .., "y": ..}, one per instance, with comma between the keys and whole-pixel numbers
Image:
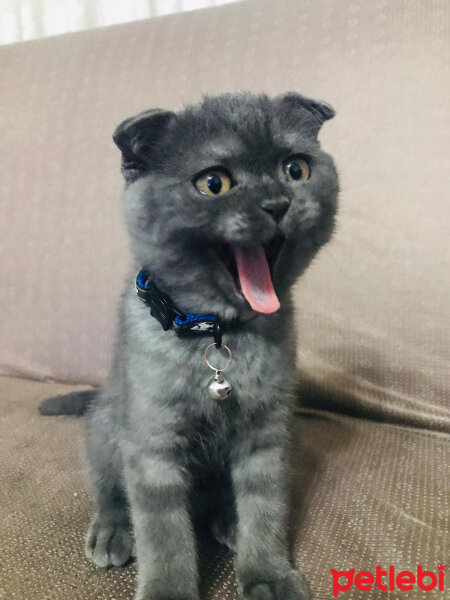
[{"x": 226, "y": 204}]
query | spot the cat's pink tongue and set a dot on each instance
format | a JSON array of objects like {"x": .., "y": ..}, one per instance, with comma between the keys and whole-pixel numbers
[{"x": 255, "y": 280}]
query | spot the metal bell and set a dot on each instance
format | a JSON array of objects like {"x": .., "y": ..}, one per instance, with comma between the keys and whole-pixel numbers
[{"x": 218, "y": 387}]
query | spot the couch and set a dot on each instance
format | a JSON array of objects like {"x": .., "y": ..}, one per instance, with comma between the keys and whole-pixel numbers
[{"x": 371, "y": 455}]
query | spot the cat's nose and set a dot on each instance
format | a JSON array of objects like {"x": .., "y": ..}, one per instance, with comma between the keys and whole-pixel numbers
[{"x": 276, "y": 208}]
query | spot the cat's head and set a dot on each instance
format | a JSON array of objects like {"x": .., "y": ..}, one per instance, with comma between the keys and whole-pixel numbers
[{"x": 227, "y": 201}]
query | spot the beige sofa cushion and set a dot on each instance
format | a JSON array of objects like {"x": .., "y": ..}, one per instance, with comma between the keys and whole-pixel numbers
[
  {"x": 363, "y": 494},
  {"x": 373, "y": 311}
]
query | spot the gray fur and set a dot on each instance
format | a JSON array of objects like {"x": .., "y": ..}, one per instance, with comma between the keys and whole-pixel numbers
[
  {"x": 163, "y": 455},
  {"x": 75, "y": 403}
]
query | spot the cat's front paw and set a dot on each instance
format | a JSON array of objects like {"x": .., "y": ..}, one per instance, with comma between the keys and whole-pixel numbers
[
  {"x": 108, "y": 544},
  {"x": 291, "y": 587}
]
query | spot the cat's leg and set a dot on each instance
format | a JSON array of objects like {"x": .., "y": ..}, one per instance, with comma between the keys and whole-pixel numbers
[
  {"x": 259, "y": 472},
  {"x": 224, "y": 527},
  {"x": 213, "y": 508},
  {"x": 109, "y": 540},
  {"x": 158, "y": 491},
  {"x": 223, "y": 520}
]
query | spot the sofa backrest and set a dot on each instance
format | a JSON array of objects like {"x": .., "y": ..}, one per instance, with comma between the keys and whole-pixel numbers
[{"x": 373, "y": 310}]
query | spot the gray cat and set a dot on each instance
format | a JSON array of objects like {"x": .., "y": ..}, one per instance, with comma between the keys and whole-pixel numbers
[{"x": 226, "y": 203}]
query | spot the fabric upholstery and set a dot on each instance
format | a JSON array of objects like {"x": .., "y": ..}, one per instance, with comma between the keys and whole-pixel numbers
[{"x": 363, "y": 494}]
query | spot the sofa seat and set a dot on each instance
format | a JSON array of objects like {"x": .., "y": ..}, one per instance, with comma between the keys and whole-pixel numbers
[{"x": 365, "y": 493}]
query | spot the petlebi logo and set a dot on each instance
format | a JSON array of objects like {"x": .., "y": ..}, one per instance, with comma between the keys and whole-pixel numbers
[{"x": 389, "y": 579}]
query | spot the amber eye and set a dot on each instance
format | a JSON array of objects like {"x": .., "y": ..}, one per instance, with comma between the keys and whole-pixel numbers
[
  {"x": 213, "y": 183},
  {"x": 296, "y": 168}
]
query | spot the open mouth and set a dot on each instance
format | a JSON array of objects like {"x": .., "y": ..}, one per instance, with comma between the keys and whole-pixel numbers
[{"x": 252, "y": 270}]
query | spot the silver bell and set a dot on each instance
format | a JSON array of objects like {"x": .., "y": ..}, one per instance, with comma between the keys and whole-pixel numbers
[{"x": 218, "y": 387}]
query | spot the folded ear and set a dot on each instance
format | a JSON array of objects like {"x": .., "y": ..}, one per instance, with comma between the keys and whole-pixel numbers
[
  {"x": 314, "y": 112},
  {"x": 136, "y": 138}
]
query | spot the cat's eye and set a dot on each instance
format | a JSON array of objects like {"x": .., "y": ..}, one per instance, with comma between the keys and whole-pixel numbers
[
  {"x": 296, "y": 168},
  {"x": 213, "y": 183}
]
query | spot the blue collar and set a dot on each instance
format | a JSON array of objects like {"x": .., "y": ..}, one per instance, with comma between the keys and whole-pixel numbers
[{"x": 170, "y": 317}]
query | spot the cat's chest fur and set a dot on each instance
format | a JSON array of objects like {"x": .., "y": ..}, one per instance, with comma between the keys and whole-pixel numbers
[{"x": 170, "y": 377}]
